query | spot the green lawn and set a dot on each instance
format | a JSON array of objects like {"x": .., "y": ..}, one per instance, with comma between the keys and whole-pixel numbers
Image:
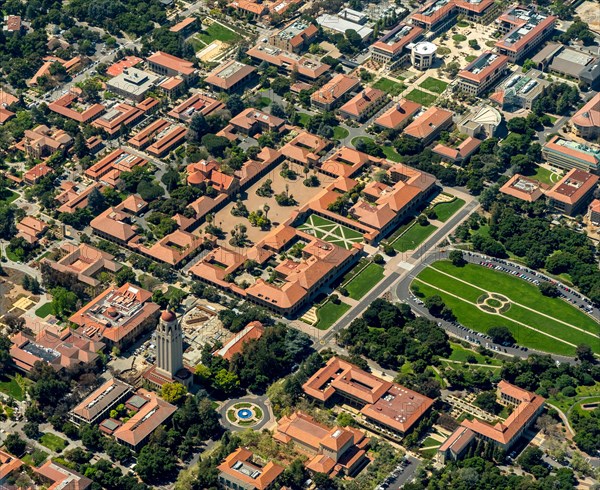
[
  {"x": 391, "y": 153},
  {"x": 421, "y": 97},
  {"x": 7, "y": 196},
  {"x": 329, "y": 313},
  {"x": 44, "y": 310},
  {"x": 462, "y": 23},
  {"x": 459, "y": 353},
  {"x": 413, "y": 237},
  {"x": 303, "y": 119},
  {"x": 10, "y": 387},
  {"x": 389, "y": 86},
  {"x": 434, "y": 85},
  {"x": 364, "y": 281},
  {"x": 218, "y": 32},
  {"x": 518, "y": 290},
  {"x": 340, "y": 133},
  {"x": 53, "y": 442},
  {"x": 36, "y": 458},
  {"x": 365, "y": 139},
  {"x": 264, "y": 102},
  {"x": 545, "y": 176},
  {"x": 430, "y": 441},
  {"x": 459, "y": 38},
  {"x": 470, "y": 57},
  {"x": 445, "y": 210},
  {"x": 331, "y": 232}
]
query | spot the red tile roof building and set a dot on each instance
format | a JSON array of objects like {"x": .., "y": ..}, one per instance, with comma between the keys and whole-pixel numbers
[
  {"x": 521, "y": 187},
  {"x": 295, "y": 36},
  {"x": 31, "y": 229},
  {"x": 197, "y": 103},
  {"x": 39, "y": 171},
  {"x": 230, "y": 77},
  {"x": 393, "y": 46},
  {"x": 399, "y": 115},
  {"x": 8, "y": 465},
  {"x": 128, "y": 62},
  {"x": 122, "y": 115},
  {"x": 334, "y": 92},
  {"x": 288, "y": 62},
  {"x": 459, "y": 153},
  {"x": 118, "y": 316},
  {"x": 109, "y": 169},
  {"x": 166, "y": 64},
  {"x": 252, "y": 331},
  {"x": 429, "y": 124},
  {"x": 438, "y": 14},
  {"x": 364, "y": 104},
  {"x": 566, "y": 154},
  {"x": 97, "y": 405},
  {"x": 387, "y": 407},
  {"x": 305, "y": 148},
  {"x": 68, "y": 106},
  {"x": 42, "y": 141},
  {"x": 586, "y": 121},
  {"x": 62, "y": 478},
  {"x": 572, "y": 194},
  {"x": 595, "y": 212},
  {"x": 185, "y": 27},
  {"x": 482, "y": 73},
  {"x": 239, "y": 471}
]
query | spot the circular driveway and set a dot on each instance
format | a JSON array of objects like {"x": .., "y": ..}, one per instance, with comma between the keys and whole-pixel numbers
[{"x": 261, "y": 402}]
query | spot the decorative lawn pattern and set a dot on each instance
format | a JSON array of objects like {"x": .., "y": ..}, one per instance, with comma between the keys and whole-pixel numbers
[
  {"x": 340, "y": 133},
  {"x": 53, "y": 442},
  {"x": 445, "y": 210},
  {"x": 331, "y": 232},
  {"x": 421, "y": 97},
  {"x": 434, "y": 85},
  {"x": 413, "y": 237},
  {"x": 10, "y": 387},
  {"x": 559, "y": 332},
  {"x": 329, "y": 313},
  {"x": 44, "y": 310},
  {"x": 218, "y": 32},
  {"x": 364, "y": 281},
  {"x": 389, "y": 86}
]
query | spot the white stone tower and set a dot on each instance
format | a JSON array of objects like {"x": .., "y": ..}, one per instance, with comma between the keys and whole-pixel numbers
[{"x": 169, "y": 345}]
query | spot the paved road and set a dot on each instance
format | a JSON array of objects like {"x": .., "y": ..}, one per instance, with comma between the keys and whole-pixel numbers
[
  {"x": 402, "y": 291},
  {"x": 406, "y": 476}
]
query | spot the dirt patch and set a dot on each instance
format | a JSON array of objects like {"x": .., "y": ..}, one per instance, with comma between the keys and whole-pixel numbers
[
  {"x": 589, "y": 12},
  {"x": 11, "y": 290}
]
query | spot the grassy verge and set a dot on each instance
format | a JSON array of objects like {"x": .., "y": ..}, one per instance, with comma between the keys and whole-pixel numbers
[
  {"x": 364, "y": 281},
  {"x": 445, "y": 210},
  {"x": 36, "y": 458},
  {"x": 329, "y": 313},
  {"x": 389, "y": 86},
  {"x": 340, "y": 133},
  {"x": 10, "y": 387},
  {"x": 218, "y": 32},
  {"x": 413, "y": 237}
]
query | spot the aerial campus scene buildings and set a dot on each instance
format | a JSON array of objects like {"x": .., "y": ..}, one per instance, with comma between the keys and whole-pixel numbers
[{"x": 299, "y": 245}]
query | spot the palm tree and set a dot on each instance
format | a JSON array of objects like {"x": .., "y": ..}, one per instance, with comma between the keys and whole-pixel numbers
[{"x": 266, "y": 209}]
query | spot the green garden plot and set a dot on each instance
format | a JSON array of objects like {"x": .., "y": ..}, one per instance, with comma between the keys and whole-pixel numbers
[{"x": 331, "y": 232}]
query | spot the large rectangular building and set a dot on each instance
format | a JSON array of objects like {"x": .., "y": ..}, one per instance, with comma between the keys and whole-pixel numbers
[
  {"x": 295, "y": 36},
  {"x": 98, "y": 404},
  {"x": 525, "y": 30},
  {"x": 387, "y": 407},
  {"x": 567, "y": 154},
  {"x": 230, "y": 77},
  {"x": 334, "y": 92},
  {"x": 393, "y": 47},
  {"x": 482, "y": 73},
  {"x": 586, "y": 121},
  {"x": 288, "y": 62},
  {"x": 132, "y": 84},
  {"x": 572, "y": 194},
  {"x": 438, "y": 15}
]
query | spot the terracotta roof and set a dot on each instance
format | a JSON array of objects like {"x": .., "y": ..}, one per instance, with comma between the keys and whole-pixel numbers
[
  {"x": 101, "y": 399},
  {"x": 304, "y": 147},
  {"x": 127, "y": 62},
  {"x": 363, "y": 101},
  {"x": 62, "y": 106},
  {"x": 391, "y": 44},
  {"x": 248, "y": 118},
  {"x": 345, "y": 162},
  {"x": 252, "y": 331},
  {"x": 148, "y": 418},
  {"x": 474, "y": 73},
  {"x": 8, "y": 464},
  {"x": 173, "y": 248},
  {"x": 337, "y": 87},
  {"x": 239, "y": 466},
  {"x": 462, "y": 151},
  {"x": 116, "y": 223},
  {"x": 573, "y": 186},
  {"x": 171, "y": 83},
  {"x": 62, "y": 478},
  {"x": 399, "y": 114},
  {"x": 589, "y": 114},
  {"x": 595, "y": 206},
  {"x": 180, "y": 26},
  {"x": 523, "y": 188},
  {"x": 534, "y": 32},
  {"x": 197, "y": 103},
  {"x": 428, "y": 122},
  {"x": 6, "y": 98},
  {"x": 458, "y": 440},
  {"x": 5, "y": 115},
  {"x": 227, "y": 75},
  {"x": 172, "y": 62},
  {"x": 306, "y": 67},
  {"x": 250, "y": 6},
  {"x": 37, "y": 172}
]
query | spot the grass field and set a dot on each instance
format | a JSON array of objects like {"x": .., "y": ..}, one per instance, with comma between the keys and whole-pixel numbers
[
  {"x": 391, "y": 153},
  {"x": 53, "y": 442},
  {"x": 445, "y": 210},
  {"x": 329, "y": 313},
  {"x": 218, "y": 32},
  {"x": 340, "y": 133},
  {"x": 36, "y": 458},
  {"x": 389, "y": 86},
  {"x": 459, "y": 38},
  {"x": 421, "y": 97},
  {"x": 10, "y": 387},
  {"x": 364, "y": 281},
  {"x": 470, "y": 57},
  {"x": 434, "y": 85},
  {"x": 459, "y": 353},
  {"x": 413, "y": 237},
  {"x": 331, "y": 232},
  {"x": 303, "y": 119},
  {"x": 565, "y": 325},
  {"x": 545, "y": 176},
  {"x": 44, "y": 310}
]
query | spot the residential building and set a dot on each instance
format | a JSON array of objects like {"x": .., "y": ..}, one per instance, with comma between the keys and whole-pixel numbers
[
  {"x": 595, "y": 212},
  {"x": 42, "y": 141},
  {"x": 429, "y": 124},
  {"x": 86, "y": 263},
  {"x": 197, "y": 103},
  {"x": 60, "y": 477},
  {"x": 525, "y": 29},
  {"x": 151, "y": 413},
  {"x": 185, "y": 27},
  {"x": 340, "y": 24},
  {"x": 288, "y": 62},
  {"x": 333, "y": 451},
  {"x": 241, "y": 471},
  {"x": 230, "y": 77},
  {"x": 31, "y": 229},
  {"x": 305, "y": 148},
  {"x": 108, "y": 170},
  {"x": 98, "y": 404},
  {"x": 458, "y": 153},
  {"x": 118, "y": 316},
  {"x": 397, "y": 117},
  {"x": 572, "y": 194},
  {"x": 295, "y": 37},
  {"x": 520, "y": 91},
  {"x": 168, "y": 65},
  {"x": 482, "y": 122},
  {"x": 481, "y": 74},
  {"x": 334, "y": 92},
  {"x": 132, "y": 84},
  {"x": 9, "y": 465},
  {"x": 252, "y": 331},
  {"x": 393, "y": 48},
  {"x": 364, "y": 104},
  {"x": 61, "y": 349},
  {"x": 71, "y": 106},
  {"x": 586, "y": 121},
  {"x": 386, "y": 407},
  {"x": 422, "y": 55},
  {"x": 567, "y": 154},
  {"x": 36, "y": 173},
  {"x": 523, "y": 188},
  {"x": 526, "y": 407},
  {"x": 117, "y": 118}
]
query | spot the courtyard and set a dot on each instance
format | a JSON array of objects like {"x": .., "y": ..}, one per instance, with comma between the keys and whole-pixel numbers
[{"x": 331, "y": 232}]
